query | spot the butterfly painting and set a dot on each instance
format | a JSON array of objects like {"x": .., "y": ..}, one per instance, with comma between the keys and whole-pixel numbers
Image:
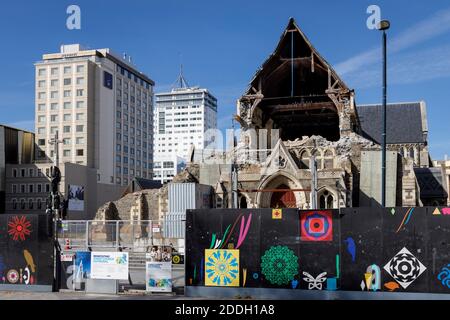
[{"x": 315, "y": 283}]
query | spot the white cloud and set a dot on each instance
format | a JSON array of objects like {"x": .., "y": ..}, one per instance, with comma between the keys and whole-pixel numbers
[
  {"x": 408, "y": 68},
  {"x": 431, "y": 27}
]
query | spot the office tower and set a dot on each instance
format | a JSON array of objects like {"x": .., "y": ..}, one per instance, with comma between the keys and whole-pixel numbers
[
  {"x": 182, "y": 117},
  {"x": 101, "y": 107}
]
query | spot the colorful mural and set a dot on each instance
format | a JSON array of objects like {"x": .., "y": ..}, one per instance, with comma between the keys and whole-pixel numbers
[
  {"x": 316, "y": 226},
  {"x": 392, "y": 249},
  {"x": 26, "y": 252},
  {"x": 279, "y": 265},
  {"x": 222, "y": 268},
  {"x": 19, "y": 228}
]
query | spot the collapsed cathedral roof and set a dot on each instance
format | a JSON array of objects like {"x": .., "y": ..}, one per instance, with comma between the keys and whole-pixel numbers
[{"x": 298, "y": 92}]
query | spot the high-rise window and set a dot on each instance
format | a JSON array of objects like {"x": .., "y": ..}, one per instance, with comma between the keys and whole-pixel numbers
[
  {"x": 107, "y": 80},
  {"x": 67, "y": 81}
]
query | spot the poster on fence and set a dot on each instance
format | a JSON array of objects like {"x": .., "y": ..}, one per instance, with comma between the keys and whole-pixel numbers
[
  {"x": 109, "y": 265},
  {"x": 158, "y": 276},
  {"x": 76, "y": 198},
  {"x": 80, "y": 270}
]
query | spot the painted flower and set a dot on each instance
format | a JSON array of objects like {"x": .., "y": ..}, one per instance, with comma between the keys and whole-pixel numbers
[
  {"x": 222, "y": 267},
  {"x": 279, "y": 265},
  {"x": 19, "y": 228}
]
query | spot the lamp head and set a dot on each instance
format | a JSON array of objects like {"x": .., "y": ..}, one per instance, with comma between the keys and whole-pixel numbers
[{"x": 383, "y": 25}]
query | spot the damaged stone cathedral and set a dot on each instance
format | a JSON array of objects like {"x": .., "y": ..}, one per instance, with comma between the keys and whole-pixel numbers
[{"x": 297, "y": 92}]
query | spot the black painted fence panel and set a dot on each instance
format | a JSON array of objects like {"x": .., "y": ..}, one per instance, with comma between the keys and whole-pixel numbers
[
  {"x": 369, "y": 249},
  {"x": 26, "y": 251}
]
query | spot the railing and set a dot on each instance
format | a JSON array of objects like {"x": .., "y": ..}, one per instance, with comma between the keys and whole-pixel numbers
[{"x": 124, "y": 235}]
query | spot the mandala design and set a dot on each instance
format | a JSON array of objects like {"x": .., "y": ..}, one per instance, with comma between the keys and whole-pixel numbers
[
  {"x": 404, "y": 268},
  {"x": 316, "y": 226},
  {"x": 12, "y": 276},
  {"x": 19, "y": 228},
  {"x": 279, "y": 265},
  {"x": 222, "y": 267}
]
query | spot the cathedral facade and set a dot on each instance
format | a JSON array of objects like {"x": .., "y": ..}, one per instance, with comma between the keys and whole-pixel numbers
[{"x": 297, "y": 107}]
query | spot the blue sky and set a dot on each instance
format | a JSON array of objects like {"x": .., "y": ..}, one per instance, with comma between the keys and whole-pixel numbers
[{"x": 223, "y": 43}]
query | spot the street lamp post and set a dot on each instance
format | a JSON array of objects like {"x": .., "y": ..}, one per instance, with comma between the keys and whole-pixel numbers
[{"x": 383, "y": 26}]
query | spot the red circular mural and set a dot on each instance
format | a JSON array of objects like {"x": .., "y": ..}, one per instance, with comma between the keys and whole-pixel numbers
[{"x": 19, "y": 228}]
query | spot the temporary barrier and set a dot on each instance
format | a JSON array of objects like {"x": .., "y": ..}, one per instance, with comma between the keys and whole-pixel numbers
[
  {"x": 26, "y": 253},
  {"x": 175, "y": 225},
  {"x": 354, "y": 249},
  {"x": 137, "y": 238}
]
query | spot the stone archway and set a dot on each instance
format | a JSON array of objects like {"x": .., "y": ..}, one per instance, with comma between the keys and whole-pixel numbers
[{"x": 286, "y": 199}]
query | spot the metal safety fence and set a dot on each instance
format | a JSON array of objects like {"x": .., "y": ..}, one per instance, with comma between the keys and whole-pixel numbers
[
  {"x": 141, "y": 239},
  {"x": 123, "y": 235}
]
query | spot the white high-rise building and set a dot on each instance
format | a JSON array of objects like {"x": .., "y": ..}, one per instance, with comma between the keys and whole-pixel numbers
[
  {"x": 101, "y": 107},
  {"x": 182, "y": 116}
]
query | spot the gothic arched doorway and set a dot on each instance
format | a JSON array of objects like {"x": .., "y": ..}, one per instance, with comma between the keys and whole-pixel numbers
[{"x": 283, "y": 199}]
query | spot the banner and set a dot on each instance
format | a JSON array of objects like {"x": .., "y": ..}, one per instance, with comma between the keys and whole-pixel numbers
[
  {"x": 158, "y": 276},
  {"x": 109, "y": 265},
  {"x": 76, "y": 198}
]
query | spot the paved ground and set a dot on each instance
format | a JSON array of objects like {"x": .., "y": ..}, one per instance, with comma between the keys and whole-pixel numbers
[
  {"x": 82, "y": 296},
  {"x": 316, "y": 295}
]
